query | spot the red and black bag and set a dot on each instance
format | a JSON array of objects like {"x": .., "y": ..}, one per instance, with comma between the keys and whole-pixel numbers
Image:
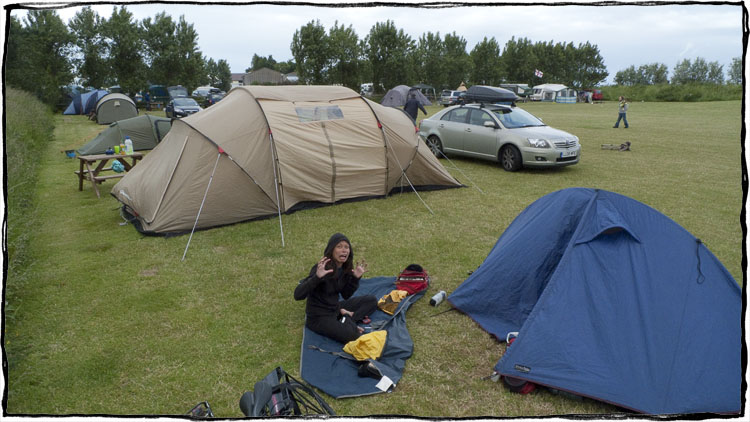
[
  {"x": 517, "y": 385},
  {"x": 413, "y": 279}
]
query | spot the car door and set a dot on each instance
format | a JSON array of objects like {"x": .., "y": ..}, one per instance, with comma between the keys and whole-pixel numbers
[
  {"x": 452, "y": 127},
  {"x": 479, "y": 140}
]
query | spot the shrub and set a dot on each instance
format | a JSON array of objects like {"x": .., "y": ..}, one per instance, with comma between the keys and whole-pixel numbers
[
  {"x": 29, "y": 129},
  {"x": 674, "y": 92}
]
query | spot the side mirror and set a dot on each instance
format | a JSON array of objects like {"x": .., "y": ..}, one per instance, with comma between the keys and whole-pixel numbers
[{"x": 488, "y": 123}]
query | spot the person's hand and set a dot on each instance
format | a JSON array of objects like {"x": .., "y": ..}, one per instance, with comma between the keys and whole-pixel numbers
[
  {"x": 322, "y": 271},
  {"x": 360, "y": 269},
  {"x": 345, "y": 312}
]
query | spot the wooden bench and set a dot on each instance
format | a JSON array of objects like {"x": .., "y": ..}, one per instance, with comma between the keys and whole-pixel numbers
[{"x": 90, "y": 167}]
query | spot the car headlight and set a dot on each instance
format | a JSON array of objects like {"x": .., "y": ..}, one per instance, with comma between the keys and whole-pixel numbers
[{"x": 538, "y": 142}]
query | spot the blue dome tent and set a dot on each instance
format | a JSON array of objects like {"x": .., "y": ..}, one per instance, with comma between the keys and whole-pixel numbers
[
  {"x": 614, "y": 301},
  {"x": 85, "y": 103}
]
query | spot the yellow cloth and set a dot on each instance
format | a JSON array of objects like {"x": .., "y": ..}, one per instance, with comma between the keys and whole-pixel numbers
[
  {"x": 389, "y": 302},
  {"x": 367, "y": 346}
]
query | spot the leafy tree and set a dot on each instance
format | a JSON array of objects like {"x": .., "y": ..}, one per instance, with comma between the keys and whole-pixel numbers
[
  {"x": 222, "y": 78},
  {"x": 162, "y": 57},
  {"x": 192, "y": 63},
  {"x": 259, "y": 62},
  {"x": 458, "y": 64},
  {"x": 90, "y": 62},
  {"x": 43, "y": 45},
  {"x": 735, "y": 71},
  {"x": 518, "y": 61},
  {"x": 699, "y": 71},
  {"x": 628, "y": 76},
  {"x": 647, "y": 74},
  {"x": 430, "y": 57},
  {"x": 123, "y": 38},
  {"x": 345, "y": 56},
  {"x": 17, "y": 62},
  {"x": 550, "y": 59},
  {"x": 654, "y": 73},
  {"x": 681, "y": 72},
  {"x": 585, "y": 66},
  {"x": 311, "y": 52},
  {"x": 715, "y": 73},
  {"x": 389, "y": 51},
  {"x": 288, "y": 66},
  {"x": 487, "y": 65}
]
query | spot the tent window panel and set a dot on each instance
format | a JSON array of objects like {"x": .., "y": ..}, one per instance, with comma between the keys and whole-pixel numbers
[{"x": 308, "y": 114}]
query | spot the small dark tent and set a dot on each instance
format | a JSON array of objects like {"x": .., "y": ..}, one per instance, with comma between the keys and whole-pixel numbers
[
  {"x": 614, "y": 301},
  {"x": 84, "y": 103},
  {"x": 145, "y": 131},
  {"x": 113, "y": 107},
  {"x": 397, "y": 96}
]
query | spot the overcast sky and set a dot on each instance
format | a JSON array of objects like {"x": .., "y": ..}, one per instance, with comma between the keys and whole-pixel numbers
[{"x": 625, "y": 35}]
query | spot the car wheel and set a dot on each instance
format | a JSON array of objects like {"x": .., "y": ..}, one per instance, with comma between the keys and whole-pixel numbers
[
  {"x": 510, "y": 158},
  {"x": 433, "y": 142}
]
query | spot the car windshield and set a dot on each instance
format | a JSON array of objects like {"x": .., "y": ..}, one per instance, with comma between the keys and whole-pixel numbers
[
  {"x": 185, "y": 102},
  {"x": 513, "y": 118}
]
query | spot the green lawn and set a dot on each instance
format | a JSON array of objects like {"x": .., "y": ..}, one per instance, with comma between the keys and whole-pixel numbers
[{"x": 108, "y": 321}]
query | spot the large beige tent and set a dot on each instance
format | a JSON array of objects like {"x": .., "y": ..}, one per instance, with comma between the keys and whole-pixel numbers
[{"x": 271, "y": 150}]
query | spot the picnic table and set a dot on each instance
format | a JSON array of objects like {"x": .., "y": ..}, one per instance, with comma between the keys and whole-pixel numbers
[{"x": 91, "y": 166}]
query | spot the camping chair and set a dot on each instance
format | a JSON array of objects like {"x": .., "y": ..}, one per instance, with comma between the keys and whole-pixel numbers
[{"x": 280, "y": 394}]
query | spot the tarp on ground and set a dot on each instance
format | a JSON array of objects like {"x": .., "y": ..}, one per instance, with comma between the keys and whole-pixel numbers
[
  {"x": 145, "y": 132},
  {"x": 397, "y": 96},
  {"x": 337, "y": 375},
  {"x": 612, "y": 300}
]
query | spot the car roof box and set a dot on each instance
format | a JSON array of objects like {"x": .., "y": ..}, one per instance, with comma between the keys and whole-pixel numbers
[{"x": 491, "y": 94}]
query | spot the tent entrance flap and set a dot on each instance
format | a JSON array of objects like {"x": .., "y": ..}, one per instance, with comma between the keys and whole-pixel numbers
[{"x": 203, "y": 201}]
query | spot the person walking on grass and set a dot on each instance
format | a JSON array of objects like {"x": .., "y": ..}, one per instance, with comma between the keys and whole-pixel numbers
[
  {"x": 335, "y": 273},
  {"x": 622, "y": 115},
  {"x": 413, "y": 106}
]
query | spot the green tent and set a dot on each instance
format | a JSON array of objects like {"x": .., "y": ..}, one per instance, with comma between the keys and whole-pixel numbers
[
  {"x": 145, "y": 131},
  {"x": 113, "y": 107}
]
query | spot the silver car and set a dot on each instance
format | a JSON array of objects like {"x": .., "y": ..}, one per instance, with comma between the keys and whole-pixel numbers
[{"x": 510, "y": 135}]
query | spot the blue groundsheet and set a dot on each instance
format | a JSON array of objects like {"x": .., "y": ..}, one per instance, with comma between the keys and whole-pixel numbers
[{"x": 326, "y": 366}]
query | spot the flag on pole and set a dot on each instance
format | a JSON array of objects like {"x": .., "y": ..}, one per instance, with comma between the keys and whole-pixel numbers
[{"x": 538, "y": 73}]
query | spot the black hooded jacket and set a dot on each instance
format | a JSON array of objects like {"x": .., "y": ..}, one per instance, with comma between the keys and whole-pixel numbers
[{"x": 323, "y": 293}]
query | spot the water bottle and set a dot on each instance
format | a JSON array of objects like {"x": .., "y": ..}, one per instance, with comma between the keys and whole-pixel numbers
[
  {"x": 128, "y": 145},
  {"x": 439, "y": 296}
]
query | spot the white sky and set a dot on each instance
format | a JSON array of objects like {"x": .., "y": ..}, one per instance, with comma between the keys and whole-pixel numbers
[{"x": 625, "y": 35}]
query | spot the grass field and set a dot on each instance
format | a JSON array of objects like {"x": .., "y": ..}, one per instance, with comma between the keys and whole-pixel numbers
[{"x": 106, "y": 321}]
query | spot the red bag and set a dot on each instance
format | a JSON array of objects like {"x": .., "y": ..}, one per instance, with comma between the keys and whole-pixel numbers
[
  {"x": 413, "y": 279},
  {"x": 517, "y": 385}
]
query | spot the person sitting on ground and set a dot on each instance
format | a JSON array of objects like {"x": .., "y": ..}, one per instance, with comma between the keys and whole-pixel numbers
[
  {"x": 413, "y": 106},
  {"x": 332, "y": 275}
]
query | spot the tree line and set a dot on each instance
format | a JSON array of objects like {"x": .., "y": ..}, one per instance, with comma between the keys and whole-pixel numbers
[
  {"x": 387, "y": 57},
  {"x": 44, "y": 54},
  {"x": 684, "y": 72}
]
